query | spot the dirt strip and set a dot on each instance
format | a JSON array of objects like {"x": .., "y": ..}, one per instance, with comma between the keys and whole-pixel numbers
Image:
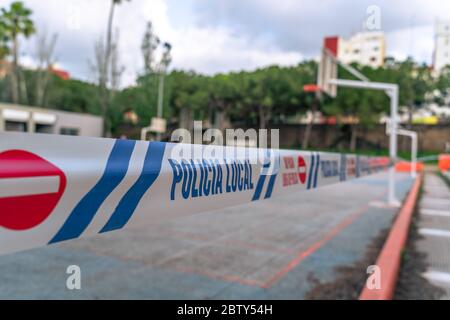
[{"x": 350, "y": 280}]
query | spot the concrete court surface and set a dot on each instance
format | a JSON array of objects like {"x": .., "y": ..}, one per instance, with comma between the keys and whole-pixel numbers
[{"x": 262, "y": 250}]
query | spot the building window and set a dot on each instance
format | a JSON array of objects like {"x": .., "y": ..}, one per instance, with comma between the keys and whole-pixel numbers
[
  {"x": 16, "y": 126},
  {"x": 69, "y": 131},
  {"x": 43, "y": 128}
]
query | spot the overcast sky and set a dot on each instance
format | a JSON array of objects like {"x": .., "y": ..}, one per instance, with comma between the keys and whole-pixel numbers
[{"x": 211, "y": 36}]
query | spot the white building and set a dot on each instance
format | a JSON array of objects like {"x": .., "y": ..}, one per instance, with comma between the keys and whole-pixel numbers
[
  {"x": 366, "y": 48},
  {"x": 38, "y": 120},
  {"x": 441, "y": 56}
]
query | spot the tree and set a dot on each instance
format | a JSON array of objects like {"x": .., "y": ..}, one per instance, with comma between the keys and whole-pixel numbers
[
  {"x": 4, "y": 39},
  {"x": 314, "y": 102},
  {"x": 116, "y": 68},
  {"x": 148, "y": 80},
  {"x": 222, "y": 96},
  {"x": 188, "y": 96},
  {"x": 73, "y": 95},
  {"x": 273, "y": 93},
  {"x": 103, "y": 59},
  {"x": 149, "y": 45},
  {"x": 442, "y": 85},
  {"x": 16, "y": 21},
  {"x": 166, "y": 58},
  {"x": 45, "y": 59}
]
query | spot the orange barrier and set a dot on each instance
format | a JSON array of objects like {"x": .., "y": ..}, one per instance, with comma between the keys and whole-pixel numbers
[
  {"x": 389, "y": 259},
  {"x": 444, "y": 162},
  {"x": 405, "y": 166}
]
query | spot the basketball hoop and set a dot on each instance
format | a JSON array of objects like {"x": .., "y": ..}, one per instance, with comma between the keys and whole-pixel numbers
[
  {"x": 328, "y": 81},
  {"x": 311, "y": 88}
]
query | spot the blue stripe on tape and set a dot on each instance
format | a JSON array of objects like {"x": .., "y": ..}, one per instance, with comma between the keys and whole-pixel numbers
[
  {"x": 317, "y": 170},
  {"x": 311, "y": 168},
  {"x": 259, "y": 187},
  {"x": 270, "y": 186},
  {"x": 85, "y": 210},
  {"x": 129, "y": 202}
]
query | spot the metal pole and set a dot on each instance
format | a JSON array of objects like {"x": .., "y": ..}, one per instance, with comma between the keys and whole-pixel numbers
[
  {"x": 394, "y": 124},
  {"x": 350, "y": 69},
  {"x": 413, "y": 136},
  {"x": 414, "y": 155},
  {"x": 388, "y": 87},
  {"x": 393, "y": 93}
]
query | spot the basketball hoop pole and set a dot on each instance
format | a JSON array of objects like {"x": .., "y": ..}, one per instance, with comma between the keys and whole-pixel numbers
[
  {"x": 327, "y": 80},
  {"x": 392, "y": 92},
  {"x": 414, "y": 145}
]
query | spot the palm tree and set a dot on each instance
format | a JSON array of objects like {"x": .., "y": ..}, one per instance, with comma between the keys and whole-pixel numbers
[
  {"x": 16, "y": 21},
  {"x": 4, "y": 49}
]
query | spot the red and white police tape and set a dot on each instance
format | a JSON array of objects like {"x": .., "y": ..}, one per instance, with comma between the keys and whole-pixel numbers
[{"x": 55, "y": 188}]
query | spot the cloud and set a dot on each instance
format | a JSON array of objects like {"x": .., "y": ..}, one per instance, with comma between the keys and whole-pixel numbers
[
  {"x": 300, "y": 25},
  {"x": 417, "y": 41},
  {"x": 222, "y": 35},
  {"x": 212, "y": 50},
  {"x": 205, "y": 49}
]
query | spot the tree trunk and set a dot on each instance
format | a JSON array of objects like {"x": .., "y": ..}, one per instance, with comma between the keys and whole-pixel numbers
[
  {"x": 14, "y": 72},
  {"x": 354, "y": 137},
  {"x": 104, "y": 82},
  {"x": 219, "y": 120},
  {"x": 185, "y": 122},
  {"x": 309, "y": 126},
  {"x": 23, "y": 87},
  {"x": 43, "y": 81},
  {"x": 262, "y": 117}
]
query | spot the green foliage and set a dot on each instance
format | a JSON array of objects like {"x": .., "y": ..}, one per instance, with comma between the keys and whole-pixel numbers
[
  {"x": 73, "y": 95},
  {"x": 188, "y": 91},
  {"x": 4, "y": 39},
  {"x": 442, "y": 85},
  {"x": 141, "y": 99},
  {"x": 17, "y": 20},
  {"x": 414, "y": 82}
]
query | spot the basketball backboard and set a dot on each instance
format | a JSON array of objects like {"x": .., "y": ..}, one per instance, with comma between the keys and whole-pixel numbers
[{"x": 327, "y": 70}]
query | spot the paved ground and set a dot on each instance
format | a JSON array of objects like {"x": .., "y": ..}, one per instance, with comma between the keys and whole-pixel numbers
[
  {"x": 266, "y": 250},
  {"x": 434, "y": 227}
]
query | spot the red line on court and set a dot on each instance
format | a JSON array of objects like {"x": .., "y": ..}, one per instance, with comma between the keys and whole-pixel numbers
[
  {"x": 293, "y": 263},
  {"x": 315, "y": 246},
  {"x": 223, "y": 277},
  {"x": 289, "y": 266},
  {"x": 235, "y": 243}
]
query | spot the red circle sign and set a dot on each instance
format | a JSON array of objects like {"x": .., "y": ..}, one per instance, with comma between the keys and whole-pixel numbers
[
  {"x": 30, "y": 188},
  {"x": 301, "y": 169}
]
